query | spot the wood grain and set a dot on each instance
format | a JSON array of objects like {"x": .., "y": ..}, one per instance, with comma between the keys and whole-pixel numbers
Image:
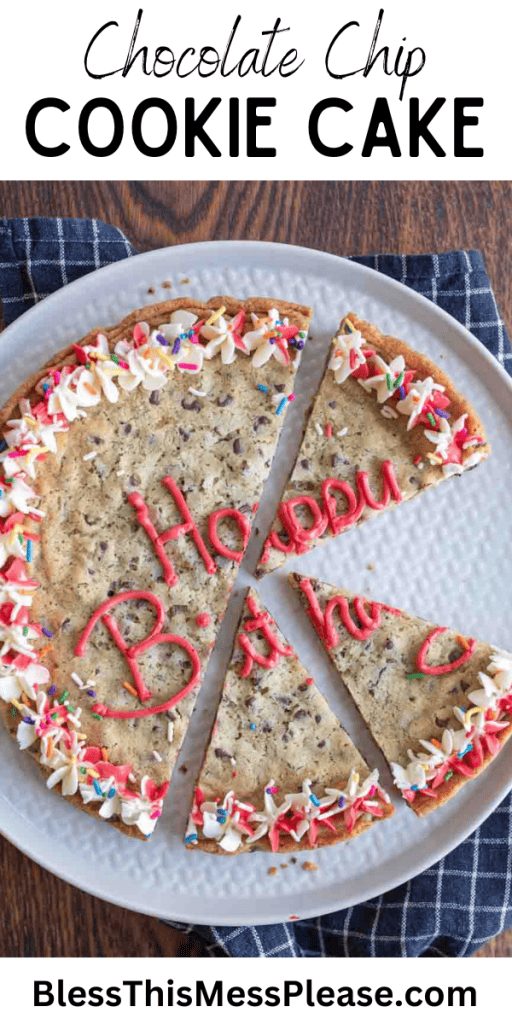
[{"x": 44, "y": 916}]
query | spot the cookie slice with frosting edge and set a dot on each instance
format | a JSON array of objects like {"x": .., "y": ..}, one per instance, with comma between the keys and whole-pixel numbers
[
  {"x": 438, "y": 704},
  {"x": 280, "y": 773},
  {"x": 386, "y": 424},
  {"x": 131, "y": 468}
]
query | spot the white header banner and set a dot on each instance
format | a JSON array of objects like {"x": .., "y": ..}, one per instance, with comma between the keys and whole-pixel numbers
[{"x": 346, "y": 90}]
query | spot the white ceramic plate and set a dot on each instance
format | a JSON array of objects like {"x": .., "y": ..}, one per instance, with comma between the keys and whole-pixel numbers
[{"x": 441, "y": 557}]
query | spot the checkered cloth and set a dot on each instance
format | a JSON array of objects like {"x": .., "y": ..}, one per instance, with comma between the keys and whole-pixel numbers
[{"x": 465, "y": 899}]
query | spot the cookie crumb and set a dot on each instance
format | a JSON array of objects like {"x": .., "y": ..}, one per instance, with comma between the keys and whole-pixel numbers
[
  {"x": 272, "y": 871},
  {"x": 151, "y": 291},
  {"x": 167, "y": 284},
  {"x": 293, "y": 860},
  {"x": 308, "y": 865},
  {"x": 370, "y": 566},
  {"x": 185, "y": 280},
  {"x": 284, "y": 866}
]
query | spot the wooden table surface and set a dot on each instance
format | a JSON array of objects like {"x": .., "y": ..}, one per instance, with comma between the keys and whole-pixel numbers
[{"x": 47, "y": 917}]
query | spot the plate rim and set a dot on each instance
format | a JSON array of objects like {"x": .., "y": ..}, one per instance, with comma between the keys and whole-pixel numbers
[{"x": 117, "y": 270}]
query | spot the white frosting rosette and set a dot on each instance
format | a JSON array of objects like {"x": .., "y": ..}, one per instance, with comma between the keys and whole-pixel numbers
[
  {"x": 16, "y": 497},
  {"x": 388, "y": 375},
  {"x": 219, "y": 337},
  {"x": 342, "y": 362},
  {"x": 14, "y": 681},
  {"x": 221, "y": 822},
  {"x": 108, "y": 795},
  {"x": 182, "y": 344},
  {"x": 264, "y": 347},
  {"x": 419, "y": 392}
]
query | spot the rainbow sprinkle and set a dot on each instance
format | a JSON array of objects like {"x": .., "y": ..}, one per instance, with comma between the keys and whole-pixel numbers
[
  {"x": 281, "y": 406},
  {"x": 415, "y": 675}
]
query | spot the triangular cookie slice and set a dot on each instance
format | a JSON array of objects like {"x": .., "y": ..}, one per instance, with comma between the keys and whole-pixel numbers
[
  {"x": 280, "y": 772},
  {"x": 131, "y": 470},
  {"x": 386, "y": 424},
  {"x": 438, "y": 704}
]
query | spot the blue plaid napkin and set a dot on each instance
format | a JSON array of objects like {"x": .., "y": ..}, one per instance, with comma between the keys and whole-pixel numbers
[{"x": 466, "y": 898}]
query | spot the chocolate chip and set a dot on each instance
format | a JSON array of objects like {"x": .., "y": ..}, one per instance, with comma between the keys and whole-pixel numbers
[
  {"x": 249, "y": 702},
  {"x": 183, "y": 769},
  {"x": 94, "y": 439},
  {"x": 177, "y": 608},
  {"x": 266, "y": 727},
  {"x": 321, "y": 744},
  {"x": 261, "y": 421},
  {"x": 134, "y": 480},
  {"x": 183, "y": 434},
  {"x": 453, "y": 655},
  {"x": 318, "y": 718},
  {"x": 285, "y": 738},
  {"x": 303, "y": 687},
  {"x": 441, "y": 722},
  {"x": 332, "y": 405},
  {"x": 154, "y": 398},
  {"x": 222, "y": 754},
  {"x": 237, "y": 446},
  {"x": 224, "y": 401},
  {"x": 465, "y": 686},
  {"x": 300, "y": 714},
  {"x": 279, "y": 388},
  {"x": 245, "y": 509},
  {"x": 334, "y": 460},
  {"x": 389, "y": 645},
  {"x": 104, "y": 546},
  {"x": 304, "y": 463},
  {"x": 127, "y": 428},
  {"x": 194, "y": 406}
]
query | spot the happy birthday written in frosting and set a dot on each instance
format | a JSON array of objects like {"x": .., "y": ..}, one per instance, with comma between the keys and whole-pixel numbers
[{"x": 132, "y": 653}]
